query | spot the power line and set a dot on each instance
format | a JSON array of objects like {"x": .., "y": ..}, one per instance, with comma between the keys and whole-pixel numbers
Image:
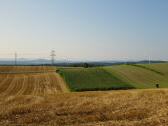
[
  {"x": 16, "y": 58},
  {"x": 149, "y": 60}
]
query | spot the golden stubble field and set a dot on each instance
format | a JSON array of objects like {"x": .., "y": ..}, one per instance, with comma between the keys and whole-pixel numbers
[
  {"x": 43, "y": 99},
  {"x": 111, "y": 108},
  {"x": 24, "y": 80}
]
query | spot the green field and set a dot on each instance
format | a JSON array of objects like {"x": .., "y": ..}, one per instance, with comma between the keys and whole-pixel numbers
[
  {"x": 116, "y": 77},
  {"x": 82, "y": 79},
  {"x": 142, "y": 76}
]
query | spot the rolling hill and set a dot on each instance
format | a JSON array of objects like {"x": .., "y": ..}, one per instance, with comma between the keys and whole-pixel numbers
[
  {"x": 138, "y": 76},
  {"x": 82, "y": 79},
  {"x": 43, "y": 98}
]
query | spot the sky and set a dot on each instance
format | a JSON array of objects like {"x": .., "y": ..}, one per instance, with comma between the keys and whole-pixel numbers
[{"x": 85, "y": 29}]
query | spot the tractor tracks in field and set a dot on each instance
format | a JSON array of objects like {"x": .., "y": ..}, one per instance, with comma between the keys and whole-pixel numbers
[
  {"x": 37, "y": 83},
  {"x": 23, "y": 87}
]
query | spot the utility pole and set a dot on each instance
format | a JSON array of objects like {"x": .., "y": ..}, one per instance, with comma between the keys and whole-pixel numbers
[
  {"x": 67, "y": 61},
  {"x": 52, "y": 57},
  {"x": 149, "y": 60},
  {"x": 15, "y": 58}
]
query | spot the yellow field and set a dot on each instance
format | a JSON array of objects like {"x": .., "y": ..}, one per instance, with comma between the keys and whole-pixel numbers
[
  {"x": 118, "y": 108},
  {"x": 43, "y": 99},
  {"x": 19, "y": 82}
]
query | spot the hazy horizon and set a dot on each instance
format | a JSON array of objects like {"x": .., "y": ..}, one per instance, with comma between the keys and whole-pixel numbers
[{"x": 84, "y": 29}]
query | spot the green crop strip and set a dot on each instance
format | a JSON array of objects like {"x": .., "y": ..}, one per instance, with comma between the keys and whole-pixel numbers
[{"x": 147, "y": 68}]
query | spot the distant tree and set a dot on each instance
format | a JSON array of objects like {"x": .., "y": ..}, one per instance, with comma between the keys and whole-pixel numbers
[{"x": 85, "y": 65}]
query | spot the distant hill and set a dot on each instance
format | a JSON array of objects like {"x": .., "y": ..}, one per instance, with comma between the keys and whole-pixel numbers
[{"x": 23, "y": 61}]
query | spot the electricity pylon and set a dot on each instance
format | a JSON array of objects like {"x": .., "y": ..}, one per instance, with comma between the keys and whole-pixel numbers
[
  {"x": 52, "y": 57},
  {"x": 149, "y": 60},
  {"x": 15, "y": 58}
]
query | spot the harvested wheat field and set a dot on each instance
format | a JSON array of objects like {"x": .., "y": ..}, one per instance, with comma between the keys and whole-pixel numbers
[
  {"x": 111, "y": 108},
  {"x": 24, "y": 80},
  {"x": 42, "y": 98}
]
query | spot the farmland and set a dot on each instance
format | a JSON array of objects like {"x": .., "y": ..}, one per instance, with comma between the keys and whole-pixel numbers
[
  {"x": 117, "y": 108},
  {"x": 81, "y": 79},
  {"x": 142, "y": 75},
  {"x": 16, "y": 81},
  {"x": 39, "y": 96},
  {"x": 116, "y": 77}
]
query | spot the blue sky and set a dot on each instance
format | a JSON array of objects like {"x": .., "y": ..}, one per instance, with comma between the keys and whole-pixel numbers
[{"x": 85, "y": 29}]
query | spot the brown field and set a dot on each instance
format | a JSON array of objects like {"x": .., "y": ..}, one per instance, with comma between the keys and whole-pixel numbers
[{"x": 43, "y": 99}]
